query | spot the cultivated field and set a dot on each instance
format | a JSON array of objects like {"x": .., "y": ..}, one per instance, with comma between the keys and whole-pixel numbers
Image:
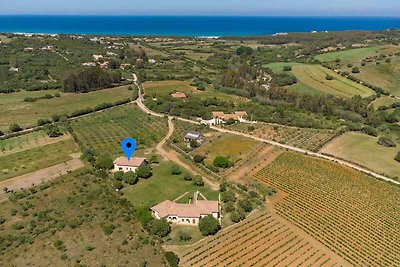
[
  {"x": 27, "y": 113},
  {"x": 103, "y": 132},
  {"x": 311, "y": 139},
  {"x": 350, "y": 55},
  {"x": 385, "y": 101},
  {"x": 261, "y": 240},
  {"x": 364, "y": 150},
  {"x": 36, "y": 158},
  {"x": 154, "y": 89},
  {"x": 314, "y": 76},
  {"x": 353, "y": 214}
]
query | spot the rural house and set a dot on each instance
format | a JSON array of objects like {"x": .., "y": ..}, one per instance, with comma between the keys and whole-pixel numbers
[
  {"x": 178, "y": 95},
  {"x": 194, "y": 136},
  {"x": 188, "y": 214},
  {"x": 125, "y": 165},
  {"x": 220, "y": 117}
]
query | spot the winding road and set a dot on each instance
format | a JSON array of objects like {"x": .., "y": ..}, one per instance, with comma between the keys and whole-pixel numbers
[{"x": 142, "y": 106}]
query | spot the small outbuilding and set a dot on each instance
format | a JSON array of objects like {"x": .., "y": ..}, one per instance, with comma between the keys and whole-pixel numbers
[
  {"x": 179, "y": 95},
  {"x": 125, "y": 165},
  {"x": 194, "y": 136}
]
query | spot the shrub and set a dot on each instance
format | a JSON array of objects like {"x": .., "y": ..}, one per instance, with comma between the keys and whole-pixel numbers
[
  {"x": 184, "y": 236},
  {"x": 355, "y": 70},
  {"x": 236, "y": 216},
  {"x": 370, "y": 131},
  {"x": 287, "y": 68},
  {"x": 130, "y": 178},
  {"x": 118, "y": 185},
  {"x": 188, "y": 177},
  {"x": 119, "y": 175},
  {"x": 53, "y": 131},
  {"x": 101, "y": 173},
  {"x": 221, "y": 162},
  {"x": 14, "y": 127},
  {"x": 251, "y": 128},
  {"x": 246, "y": 205},
  {"x": 160, "y": 228},
  {"x": 209, "y": 225},
  {"x": 194, "y": 144},
  {"x": 397, "y": 157},
  {"x": 198, "y": 181},
  {"x": 172, "y": 258},
  {"x": 59, "y": 245},
  {"x": 385, "y": 141},
  {"x": 223, "y": 186},
  {"x": 198, "y": 158},
  {"x": 175, "y": 170},
  {"x": 144, "y": 172},
  {"x": 229, "y": 206},
  {"x": 1, "y": 133},
  {"x": 104, "y": 162},
  {"x": 329, "y": 77}
]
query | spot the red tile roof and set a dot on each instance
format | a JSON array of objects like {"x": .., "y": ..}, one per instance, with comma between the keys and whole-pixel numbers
[
  {"x": 195, "y": 210},
  {"x": 133, "y": 162}
]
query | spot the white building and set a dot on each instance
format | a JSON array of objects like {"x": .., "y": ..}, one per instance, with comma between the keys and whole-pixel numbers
[
  {"x": 188, "y": 214},
  {"x": 125, "y": 165}
]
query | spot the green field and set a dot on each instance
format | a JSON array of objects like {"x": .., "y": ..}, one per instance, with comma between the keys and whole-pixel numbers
[
  {"x": 162, "y": 186},
  {"x": 103, "y": 132},
  {"x": 154, "y": 89},
  {"x": 314, "y": 76},
  {"x": 364, "y": 150},
  {"x": 385, "y": 101},
  {"x": 228, "y": 145},
  {"x": 27, "y": 114},
  {"x": 349, "y": 55},
  {"x": 5, "y": 39},
  {"x": 35, "y": 159},
  {"x": 277, "y": 67}
]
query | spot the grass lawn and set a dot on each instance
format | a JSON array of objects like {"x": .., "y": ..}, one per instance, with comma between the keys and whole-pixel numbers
[
  {"x": 350, "y": 55},
  {"x": 192, "y": 231},
  {"x": 228, "y": 145},
  {"x": 364, "y": 150},
  {"x": 35, "y": 159},
  {"x": 384, "y": 101},
  {"x": 27, "y": 114},
  {"x": 161, "y": 186},
  {"x": 314, "y": 76},
  {"x": 167, "y": 87}
]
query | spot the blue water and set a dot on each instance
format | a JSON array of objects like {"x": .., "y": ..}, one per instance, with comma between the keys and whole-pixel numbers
[{"x": 189, "y": 26}]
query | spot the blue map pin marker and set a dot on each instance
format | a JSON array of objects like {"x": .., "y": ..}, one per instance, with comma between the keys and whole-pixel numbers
[{"x": 128, "y": 145}]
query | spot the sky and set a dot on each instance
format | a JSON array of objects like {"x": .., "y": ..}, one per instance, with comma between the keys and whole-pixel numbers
[{"x": 203, "y": 7}]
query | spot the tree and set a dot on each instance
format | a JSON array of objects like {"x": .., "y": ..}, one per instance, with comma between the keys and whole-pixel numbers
[
  {"x": 119, "y": 175},
  {"x": 144, "y": 172},
  {"x": 172, "y": 258},
  {"x": 287, "y": 68},
  {"x": 228, "y": 196},
  {"x": 355, "y": 70},
  {"x": 154, "y": 159},
  {"x": 229, "y": 206},
  {"x": 160, "y": 228},
  {"x": 53, "y": 131},
  {"x": 130, "y": 178},
  {"x": 104, "y": 162},
  {"x": 221, "y": 162},
  {"x": 118, "y": 185},
  {"x": 14, "y": 127},
  {"x": 175, "y": 170},
  {"x": 194, "y": 144},
  {"x": 188, "y": 177},
  {"x": 246, "y": 204},
  {"x": 385, "y": 141},
  {"x": 184, "y": 236},
  {"x": 236, "y": 216},
  {"x": 198, "y": 158},
  {"x": 223, "y": 186},
  {"x": 329, "y": 77},
  {"x": 244, "y": 50},
  {"x": 198, "y": 181},
  {"x": 209, "y": 225}
]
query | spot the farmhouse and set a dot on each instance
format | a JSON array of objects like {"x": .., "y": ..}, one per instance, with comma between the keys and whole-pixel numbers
[
  {"x": 186, "y": 213},
  {"x": 220, "y": 117},
  {"x": 194, "y": 136},
  {"x": 178, "y": 95},
  {"x": 125, "y": 165}
]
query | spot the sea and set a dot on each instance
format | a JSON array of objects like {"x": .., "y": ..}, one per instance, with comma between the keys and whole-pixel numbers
[{"x": 194, "y": 26}]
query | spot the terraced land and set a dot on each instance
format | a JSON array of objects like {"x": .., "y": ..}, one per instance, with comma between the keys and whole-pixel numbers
[
  {"x": 314, "y": 76},
  {"x": 263, "y": 240},
  {"x": 310, "y": 139},
  {"x": 354, "y": 215},
  {"x": 103, "y": 132}
]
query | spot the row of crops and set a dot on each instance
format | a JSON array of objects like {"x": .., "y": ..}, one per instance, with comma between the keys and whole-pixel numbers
[
  {"x": 104, "y": 131},
  {"x": 310, "y": 139},
  {"x": 264, "y": 240},
  {"x": 354, "y": 215}
]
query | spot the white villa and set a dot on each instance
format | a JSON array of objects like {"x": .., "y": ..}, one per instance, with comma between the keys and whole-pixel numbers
[
  {"x": 194, "y": 136},
  {"x": 188, "y": 214},
  {"x": 125, "y": 165}
]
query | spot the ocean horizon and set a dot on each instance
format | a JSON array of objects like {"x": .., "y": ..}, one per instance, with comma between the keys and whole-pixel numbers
[{"x": 193, "y": 26}]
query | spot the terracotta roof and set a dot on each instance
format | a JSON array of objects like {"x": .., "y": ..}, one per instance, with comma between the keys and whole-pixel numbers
[
  {"x": 178, "y": 95},
  {"x": 195, "y": 210},
  {"x": 235, "y": 115},
  {"x": 133, "y": 162}
]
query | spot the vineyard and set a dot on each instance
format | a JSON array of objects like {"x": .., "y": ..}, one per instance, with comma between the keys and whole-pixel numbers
[
  {"x": 103, "y": 132},
  {"x": 350, "y": 213},
  {"x": 263, "y": 240},
  {"x": 310, "y": 139}
]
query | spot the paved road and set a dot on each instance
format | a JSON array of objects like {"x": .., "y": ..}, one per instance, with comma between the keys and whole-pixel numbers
[{"x": 141, "y": 105}]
